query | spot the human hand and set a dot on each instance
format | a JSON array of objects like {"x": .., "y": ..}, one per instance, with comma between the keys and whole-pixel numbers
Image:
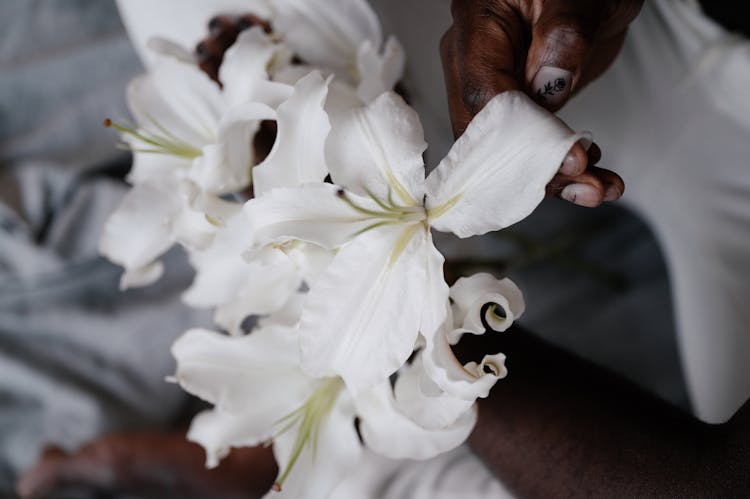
[{"x": 548, "y": 48}]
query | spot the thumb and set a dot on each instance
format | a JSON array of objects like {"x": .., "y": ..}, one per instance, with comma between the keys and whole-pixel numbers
[{"x": 562, "y": 41}]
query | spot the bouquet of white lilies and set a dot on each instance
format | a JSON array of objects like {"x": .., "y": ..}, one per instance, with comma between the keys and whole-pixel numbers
[{"x": 326, "y": 242}]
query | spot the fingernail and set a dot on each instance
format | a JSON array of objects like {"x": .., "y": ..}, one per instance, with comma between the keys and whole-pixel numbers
[
  {"x": 571, "y": 165},
  {"x": 582, "y": 195},
  {"x": 612, "y": 193},
  {"x": 551, "y": 85}
]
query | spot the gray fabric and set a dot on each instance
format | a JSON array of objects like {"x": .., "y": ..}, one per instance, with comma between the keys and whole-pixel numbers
[{"x": 77, "y": 356}]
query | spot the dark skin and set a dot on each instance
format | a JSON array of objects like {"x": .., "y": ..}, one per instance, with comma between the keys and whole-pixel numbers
[
  {"x": 494, "y": 46},
  {"x": 558, "y": 426}
]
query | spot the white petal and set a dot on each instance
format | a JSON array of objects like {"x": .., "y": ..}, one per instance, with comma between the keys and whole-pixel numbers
[
  {"x": 245, "y": 66},
  {"x": 139, "y": 230},
  {"x": 496, "y": 172},
  {"x": 142, "y": 276},
  {"x": 379, "y": 149},
  {"x": 379, "y": 72},
  {"x": 217, "y": 432},
  {"x": 184, "y": 21},
  {"x": 420, "y": 399},
  {"x": 314, "y": 213},
  {"x": 326, "y": 33},
  {"x": 256, "y": 375},
  {"x": 436, "y": 297},
  {"x": 470, "y": 381},
  {"x": 160, "y": 168},
  {"x": 472, "y": 295},
  {"x": 297, "y": 156},
  {"x": 363, "y": 313},
  {"x": 191, "y": 95},
  {"x": 153, "y": 112},
  {"x": 267, "y": 293},
  {"x": 167, "y": 47},
  {"x": 390, "y": 433},
  {"x": 319, "y": 469},
  {"x": 225, "y": 166}
]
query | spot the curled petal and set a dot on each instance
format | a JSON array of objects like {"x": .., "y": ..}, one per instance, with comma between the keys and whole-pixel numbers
[
  {"x": 470, "y": 381},
  {"x": 420, "y": 399},
  {"x": 483, "y": 302},
  {"x": 387, "y": 431},
  {"x": 297, "y": 156},
  {"x": 378, "y": 149},
  {"x": 314, "y": 213},
  {"x": 327, "y": 33},
  {"x": 496, "y": 172},
  {"x": 363, "y": 313}
]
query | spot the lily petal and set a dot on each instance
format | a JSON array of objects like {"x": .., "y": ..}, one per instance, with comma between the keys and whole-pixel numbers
[
  {"x": 320, "y": 468},
  {"x": 224, "y": 167},
  {"x": 245, "y": 66},
  {"x": 379, "y": 72},
  {"x": 314, "y": 213},
  {"x": 496, "y": 172},
  {"x": 363, "y": 313},
  {"x": 191, "y": 95},
  {"x": 218, "y": 432},
  {"x": 244, "y": 375},
  {"x": 470, "y": 381},
  {"x": 139, "y": 231},
  {"x": 436, "y": 298},
  {"x": 482, "y": 301},
  {"x": 390, "y": 433},
  {"x": 297, "y": 156},
  {"x": 420, "y": 399},
  {"x": 379, "y": 149},
  {"x": 327, "y": 33}
]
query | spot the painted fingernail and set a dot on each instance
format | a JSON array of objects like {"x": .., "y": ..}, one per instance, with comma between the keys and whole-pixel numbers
[
  {"x": 571, "y": 165},
  {"x": 612, "y": 193},
  {"x": 552, "y": 85},
  {"x": 582, "y": 195}
]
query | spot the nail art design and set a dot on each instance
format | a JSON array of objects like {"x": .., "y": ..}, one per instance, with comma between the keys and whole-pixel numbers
[
  {"x": 551, "y": 88},
  {"x": 552, "y": 85}
]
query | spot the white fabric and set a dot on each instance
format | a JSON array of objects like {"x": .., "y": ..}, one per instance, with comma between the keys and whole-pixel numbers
[{"x": 674, "y": 124}]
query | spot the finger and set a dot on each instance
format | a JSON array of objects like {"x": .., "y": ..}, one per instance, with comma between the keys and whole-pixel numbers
[
  {"x": 614, "y": 186},
  {"x": 583, "y": 190},
  {"x": 575, "y": 161},
  {"x": 565, "y": 37}
]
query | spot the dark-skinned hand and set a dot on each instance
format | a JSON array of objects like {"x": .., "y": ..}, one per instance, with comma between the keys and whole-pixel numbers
[{"x": 549, "y": 49}]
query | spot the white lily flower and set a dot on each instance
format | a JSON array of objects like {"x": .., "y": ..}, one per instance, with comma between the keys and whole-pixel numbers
[
  {"x": 385, "y": 284},
  {"x": 261, "y": 394},
  {"x": 191, "y": 144}
]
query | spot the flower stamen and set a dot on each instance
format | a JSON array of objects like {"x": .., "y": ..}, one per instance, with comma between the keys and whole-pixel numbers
[
  {"x": 309, "y": 416},
  {"x": 164, "y": 143}
]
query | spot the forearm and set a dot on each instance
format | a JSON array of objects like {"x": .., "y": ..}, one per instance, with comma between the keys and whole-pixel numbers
[{"x": 561, "y": 427}]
